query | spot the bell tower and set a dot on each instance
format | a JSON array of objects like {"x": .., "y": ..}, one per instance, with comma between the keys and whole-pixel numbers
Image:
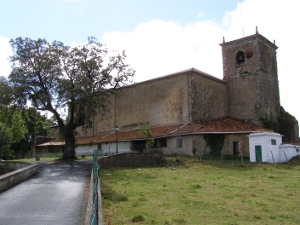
[{"x": 250, "y": 69}]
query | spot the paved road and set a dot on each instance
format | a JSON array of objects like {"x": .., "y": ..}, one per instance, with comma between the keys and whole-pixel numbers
[{"x": 55, "y": 195}]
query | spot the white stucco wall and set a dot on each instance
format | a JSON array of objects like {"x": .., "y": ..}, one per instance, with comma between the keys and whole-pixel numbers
[
  {"x": 104, "y": 149},
  {"x": 110, "y": 148},
  {"x": 270, "y": 153},
  {"x": 85, "y": 149},
  {"x": 287, "y": 151},
  {"x": 172, "y": 148}
]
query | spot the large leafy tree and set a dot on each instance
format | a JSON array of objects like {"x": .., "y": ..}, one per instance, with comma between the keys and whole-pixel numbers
[
  {"x": 5, "y": 141},
  {"x": 23, "y": 124},
  {"x": 6, "y": 92},
  {"x": 55, "y": 77},
  {"x": 19, "y": 124},
  {"x": 18, "y": 127}
]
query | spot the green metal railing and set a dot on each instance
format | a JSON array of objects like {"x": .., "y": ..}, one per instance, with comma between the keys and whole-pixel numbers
[{"x": 94, "y": 217}]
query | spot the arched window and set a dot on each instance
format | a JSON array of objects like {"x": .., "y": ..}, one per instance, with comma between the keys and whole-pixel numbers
[{"x": 240, "y": 57}]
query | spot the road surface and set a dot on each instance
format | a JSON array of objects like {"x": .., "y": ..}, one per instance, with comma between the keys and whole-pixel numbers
[{"x": 55, "y": 195}]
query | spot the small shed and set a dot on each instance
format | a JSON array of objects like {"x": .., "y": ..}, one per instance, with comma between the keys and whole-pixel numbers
[
  {"x": 50, "y": 148},
  {"x": 264, "y": 147},
  {"x": 268, "y": 147}
]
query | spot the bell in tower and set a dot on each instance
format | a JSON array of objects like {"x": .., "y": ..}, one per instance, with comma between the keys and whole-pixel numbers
[{"x": 250, "y": 68}]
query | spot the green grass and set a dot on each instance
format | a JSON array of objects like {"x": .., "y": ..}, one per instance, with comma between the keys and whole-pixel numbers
[
  {"x": 202, "y": 193},
  {"x": 227, "y": 158}
]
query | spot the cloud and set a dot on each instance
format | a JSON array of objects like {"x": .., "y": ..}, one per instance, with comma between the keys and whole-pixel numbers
[
  {"x": 83, "y": 2},
  {"x": 162, "y": 47},
  {"x": 158, "y": 47},
  {"x": 6, "y": 51},
  {"x": 201, "y": 14}
]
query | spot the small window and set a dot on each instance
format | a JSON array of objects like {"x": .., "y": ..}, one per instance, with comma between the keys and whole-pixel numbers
[
  {"x": 273, "y": 142},
  {"x": 240, "y": 57},
  {"x": 297, "y": 149},
  {"x": 179, "y": 143}
]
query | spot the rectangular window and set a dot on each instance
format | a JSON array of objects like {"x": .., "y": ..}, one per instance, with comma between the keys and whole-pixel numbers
[
  {"x": 160, "y": 143},
  {"x": 179, "y": 143},
  {"x": 273, "y": 142}
]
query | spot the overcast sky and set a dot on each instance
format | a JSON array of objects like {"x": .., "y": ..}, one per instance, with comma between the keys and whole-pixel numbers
[{"x": 161, "y": 36}]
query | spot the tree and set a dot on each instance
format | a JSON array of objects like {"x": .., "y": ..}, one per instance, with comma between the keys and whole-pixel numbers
[
  {"x": 55, "y": 77},
  {"x": 24, "y": 124},
  {"x": 145, "y": 130},
  {"x": 5, "y": 141},
  {"x": 18, "y": 127},
  {"x": 6, "y": 95}
]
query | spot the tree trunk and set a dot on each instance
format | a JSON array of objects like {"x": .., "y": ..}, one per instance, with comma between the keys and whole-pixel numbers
[{"x": 69, "y": 151}]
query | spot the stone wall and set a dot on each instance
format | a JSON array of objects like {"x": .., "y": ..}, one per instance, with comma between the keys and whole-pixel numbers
[
  {"x": 208, "y": 97},
  {"x": 253, "y": 89},
  {"x": 173, "y": 148},
  {"x": 171, "y": 100},
  {"x": 22, "y": 171},
  {"x": 202, "y": 148},
  {"x": 161, "y": 101}
]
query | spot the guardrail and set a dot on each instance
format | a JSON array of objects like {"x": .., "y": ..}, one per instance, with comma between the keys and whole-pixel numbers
[{"x": 95, "y": 167}]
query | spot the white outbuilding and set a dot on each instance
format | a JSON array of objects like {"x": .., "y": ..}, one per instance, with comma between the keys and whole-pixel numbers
[{"x": 268, "y": 147}]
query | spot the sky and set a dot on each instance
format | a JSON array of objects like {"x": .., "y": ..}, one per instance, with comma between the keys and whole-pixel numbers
[{"x": 161, "y": 37}]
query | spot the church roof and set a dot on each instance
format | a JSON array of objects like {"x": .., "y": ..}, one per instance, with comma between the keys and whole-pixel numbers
[
  {"x": 219, "y": 126},
  {"x": 179, "y": 73}
]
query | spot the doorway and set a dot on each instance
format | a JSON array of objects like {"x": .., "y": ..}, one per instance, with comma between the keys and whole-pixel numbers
[
  {"x": 236, "y": 148},
  {"x": 258, "y": 153}
]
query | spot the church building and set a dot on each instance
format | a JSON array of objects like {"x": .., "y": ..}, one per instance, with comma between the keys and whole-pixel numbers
[{"x": 192, "y": 112}]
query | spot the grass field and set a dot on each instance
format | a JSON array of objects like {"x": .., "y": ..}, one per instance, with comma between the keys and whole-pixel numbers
[{"x": 202, "y": 193}]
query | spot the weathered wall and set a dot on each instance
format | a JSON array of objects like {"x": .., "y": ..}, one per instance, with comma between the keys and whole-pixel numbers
[
  {"x": 253, "y": 89},
  {"x": 202, "y": 148},
  {"x": 172, "y": 148},
  {"x": 208, "y": 97},
  {"x": 17, "y": 176},
  {"x": 162, "y": 101},
  {"x": 243, "y": 141},
  {"x": 189, "y": 96}
]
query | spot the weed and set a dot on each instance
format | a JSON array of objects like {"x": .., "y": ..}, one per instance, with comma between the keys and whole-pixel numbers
[
  {"x": 138, "y": 218},
  {"x": 179, "y": 221},
  {"x": 108, "y": 193},
  {"x": 195, "y": 186},
  {"x": 256, "y": 217}
]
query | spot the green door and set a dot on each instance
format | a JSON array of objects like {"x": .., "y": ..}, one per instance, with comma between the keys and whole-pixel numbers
[{"x": 258, "y": 153}]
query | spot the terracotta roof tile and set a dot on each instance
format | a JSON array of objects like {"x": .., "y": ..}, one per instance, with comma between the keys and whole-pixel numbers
[{"x": 223, "y": 125}]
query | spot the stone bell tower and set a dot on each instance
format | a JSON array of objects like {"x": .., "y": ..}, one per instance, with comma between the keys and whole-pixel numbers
[{"x": 250, "y": 68}]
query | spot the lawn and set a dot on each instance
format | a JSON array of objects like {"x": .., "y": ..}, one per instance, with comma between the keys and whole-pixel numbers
[{"x": 202, "y": 193}]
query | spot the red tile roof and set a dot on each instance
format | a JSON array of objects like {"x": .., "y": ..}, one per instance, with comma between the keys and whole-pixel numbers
[{"x": 223, "y": 125}]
